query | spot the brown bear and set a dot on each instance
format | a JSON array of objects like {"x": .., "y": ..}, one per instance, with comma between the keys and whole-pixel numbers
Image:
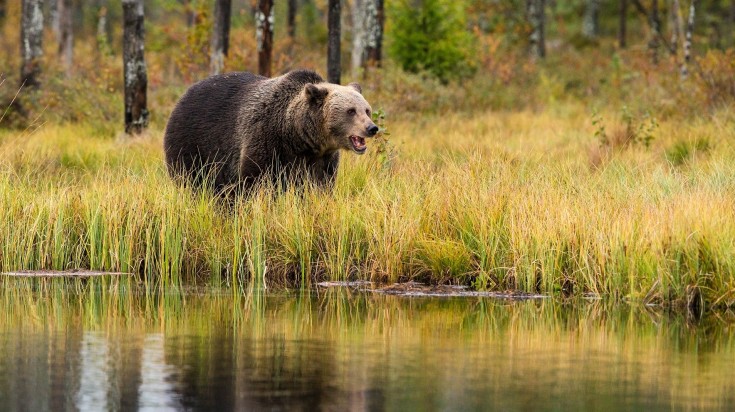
[{"x": 232, "y": 130}]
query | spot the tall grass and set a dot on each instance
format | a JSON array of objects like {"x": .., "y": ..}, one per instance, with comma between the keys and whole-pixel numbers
[{"x": 497, "y": 200}]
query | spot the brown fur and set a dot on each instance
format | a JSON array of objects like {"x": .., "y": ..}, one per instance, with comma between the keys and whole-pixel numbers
[{"x": 238, "y": 128}]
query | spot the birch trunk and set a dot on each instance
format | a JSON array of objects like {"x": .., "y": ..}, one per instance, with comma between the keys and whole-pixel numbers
[
  {"x": 31, "y": 36},
  {"x": 66, "y": 34},
  {"x": 590, "y": 23},
  {"x": 134, "y": 67},
  {"x": 334, "y": 73},
  {"x": 359, "y": 35},
  {"x": 103, "y": 41},
  {"x": 367, "y": 41},
  {"x": 536, "y": 17},
  {"x": 622, "y": 29},
  {"x": 220, "y": 35},
  {"x": 375, "y": 21},
  {"x": 688, "y": 41},
  {"x": 264, "y": 21}
]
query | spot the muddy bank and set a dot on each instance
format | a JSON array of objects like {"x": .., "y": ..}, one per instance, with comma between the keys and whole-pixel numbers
[
  {"x": 420, "y": 289},
  {"x": 75, "y": 273}
]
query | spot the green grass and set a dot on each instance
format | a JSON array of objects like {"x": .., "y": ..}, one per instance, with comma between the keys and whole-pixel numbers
[{"x": 519, "y": 200}]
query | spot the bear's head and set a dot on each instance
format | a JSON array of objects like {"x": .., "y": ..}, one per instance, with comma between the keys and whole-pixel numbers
[{"x": 347, "y": 116}]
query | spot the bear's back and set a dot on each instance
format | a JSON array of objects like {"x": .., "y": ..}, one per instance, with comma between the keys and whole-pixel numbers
[{"x": 202, "y": 129}]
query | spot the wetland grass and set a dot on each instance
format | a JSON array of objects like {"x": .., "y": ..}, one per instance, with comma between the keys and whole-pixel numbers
[{"x": 498, "y": 201}]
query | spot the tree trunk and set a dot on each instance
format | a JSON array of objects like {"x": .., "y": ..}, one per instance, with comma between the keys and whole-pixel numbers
[
  {"x": 292, "y": 9},
  {"x": 375, "y": 21},
  {"x": 654, "y": 42},
  {"x": 53, "y": 18},
  {"x": 3, "y": 10},
  {"x": 688, "y": 41},
  {"x": 103, "y": 41},
  {"x": 264, "y": 33},
  {"x": 31, "y": 36},
  {"x": 359, "y": 35},
  {"x": 189, "y": 12},
  {"x": 622, "y": 30},
  {"x": 676, "y": 26},
  {"x": 134, "y": 67},
  {"x": 536, "y": 15},
  {"x": 590, "y": 23},
  {"x": 367, "y": 23},
  {"x": 66, "y": 34},
  {"x": 220, "y": 35},
  {"x": 333, "y": 46}
]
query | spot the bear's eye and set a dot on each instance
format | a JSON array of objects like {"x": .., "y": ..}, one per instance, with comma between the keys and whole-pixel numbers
[
  {"x": 367, "y": 112},
  {"x": 352, "y": 112}
]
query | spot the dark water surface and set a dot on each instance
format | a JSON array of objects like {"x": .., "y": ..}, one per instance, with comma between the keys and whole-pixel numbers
[{"x": 102, "y": 350}]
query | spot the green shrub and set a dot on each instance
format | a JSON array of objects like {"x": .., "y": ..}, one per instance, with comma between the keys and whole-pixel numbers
[{"x": 431, "y": 35}]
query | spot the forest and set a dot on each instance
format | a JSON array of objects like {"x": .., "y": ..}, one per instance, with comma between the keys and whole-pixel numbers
[{"x": 563, "y": 147}]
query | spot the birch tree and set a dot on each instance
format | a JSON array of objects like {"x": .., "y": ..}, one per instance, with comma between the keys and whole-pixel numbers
[
  {"x": 134, "y": 67},
  {"x": 536, "y": 16},
  {"x": 367, "y": 38},
  {"x": 590, "y": 22},
  {"x": 103, "y": 40},
  {"x": 359, "y": 37},
  {"x": 31, "y": 37},
  {"x": 688, "y": 41},
  {"x": 66, "y": 34},
  {"x": 375, "y": 24},
  {"x": 264, "y": 21},
  {"x": 334, "y": 73},
  {"x": 220, "y": 35}
]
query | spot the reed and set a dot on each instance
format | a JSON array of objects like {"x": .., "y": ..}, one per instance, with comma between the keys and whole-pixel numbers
[{"x": 499, "y": 200}]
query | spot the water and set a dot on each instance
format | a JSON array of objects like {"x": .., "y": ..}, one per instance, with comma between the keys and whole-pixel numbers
[{"x": 100, "y": 350}]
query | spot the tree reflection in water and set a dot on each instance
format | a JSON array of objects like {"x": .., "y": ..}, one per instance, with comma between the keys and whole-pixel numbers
[{"x": 101, "y": 349}]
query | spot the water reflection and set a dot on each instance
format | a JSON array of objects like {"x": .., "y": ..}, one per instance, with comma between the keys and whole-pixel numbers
[{"x": 112, "y": 351}]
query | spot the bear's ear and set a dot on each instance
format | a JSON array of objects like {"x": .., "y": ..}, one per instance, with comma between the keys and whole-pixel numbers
[
  {"x": 355, "y": 86},
  {"x": 315, "y": 94}
]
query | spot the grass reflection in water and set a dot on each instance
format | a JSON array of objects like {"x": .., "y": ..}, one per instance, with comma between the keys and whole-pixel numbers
[{"x": 102, "y": 343}]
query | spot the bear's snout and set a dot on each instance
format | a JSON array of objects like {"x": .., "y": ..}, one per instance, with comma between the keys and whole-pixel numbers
[{"x": 372, "y": 130}]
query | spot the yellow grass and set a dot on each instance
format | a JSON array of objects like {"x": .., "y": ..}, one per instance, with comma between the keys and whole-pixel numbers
[{"x": 523, "y": 200}]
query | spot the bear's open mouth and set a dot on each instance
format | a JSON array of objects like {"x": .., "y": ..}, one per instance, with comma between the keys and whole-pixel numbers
[{"x": 358, "y": 144}]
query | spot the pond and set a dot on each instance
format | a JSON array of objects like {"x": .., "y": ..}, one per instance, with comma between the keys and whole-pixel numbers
[{"x": 97, "y": 349}]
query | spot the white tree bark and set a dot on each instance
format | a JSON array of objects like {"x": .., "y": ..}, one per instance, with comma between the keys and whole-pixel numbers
[
  {"x": 590, "y": 22},
  {"x": 359, "y": 36},
  {"x": 134, "y": 67},
  {"x": 31, "y": 37},
  {"x": 536, "y": 15},
  {"x": 688, "y": 41},
  {"x": 367, "y": 37}
]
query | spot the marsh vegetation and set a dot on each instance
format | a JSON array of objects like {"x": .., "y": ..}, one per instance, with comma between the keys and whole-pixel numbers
[{"x": 592, "y": 171}]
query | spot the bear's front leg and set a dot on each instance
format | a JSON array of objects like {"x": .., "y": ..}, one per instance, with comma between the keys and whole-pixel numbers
[{"x": 324, "y": 171}]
